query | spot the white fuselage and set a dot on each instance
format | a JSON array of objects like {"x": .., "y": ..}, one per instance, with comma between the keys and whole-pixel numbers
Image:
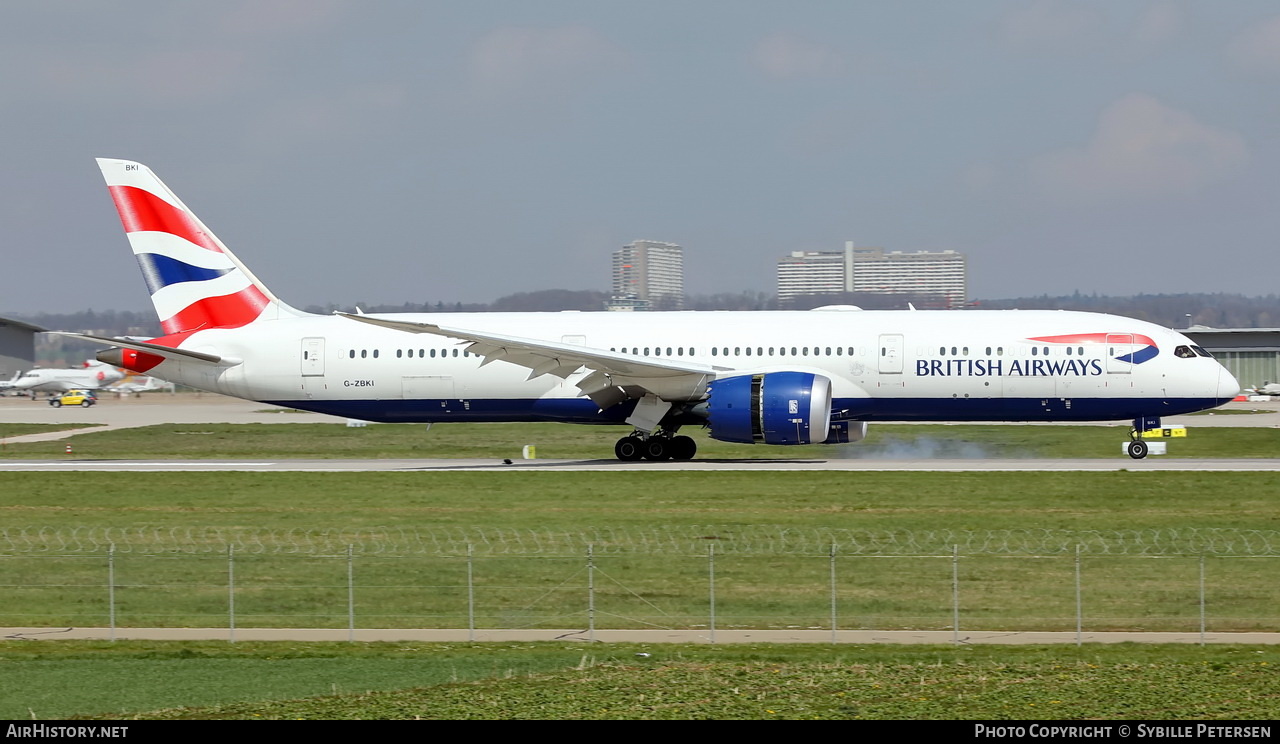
[
  {"x": 48, "y": 380},
  {"x": 883, "y": 366}
]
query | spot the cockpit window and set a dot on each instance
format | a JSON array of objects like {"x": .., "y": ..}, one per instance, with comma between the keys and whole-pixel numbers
[
  {"x": 1201, "y": 352},
  {"x": 1184, "y": 352}
]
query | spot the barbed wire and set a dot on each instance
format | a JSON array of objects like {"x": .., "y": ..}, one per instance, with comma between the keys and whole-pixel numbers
[{"x": 659, "y": 540}]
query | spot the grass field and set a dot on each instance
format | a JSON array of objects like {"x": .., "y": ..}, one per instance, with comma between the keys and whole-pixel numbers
[
  {"x": 200, "y": 681},
  {"x": 172, "y": 528},
  {"x": 650, "y": 534}
]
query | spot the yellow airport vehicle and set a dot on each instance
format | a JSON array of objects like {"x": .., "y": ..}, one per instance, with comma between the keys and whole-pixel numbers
[
  {"x": 1165, "y": 432},
  {"x": 83, "y": 398}
]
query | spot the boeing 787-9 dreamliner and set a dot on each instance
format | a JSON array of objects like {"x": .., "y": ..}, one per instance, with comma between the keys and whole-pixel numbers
[{"x": 769, "y": 378}]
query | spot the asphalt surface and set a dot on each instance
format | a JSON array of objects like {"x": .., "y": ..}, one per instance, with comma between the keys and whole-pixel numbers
[
  {"x": 192, "y": 408},
  {"x": 1119, "y": 463}
]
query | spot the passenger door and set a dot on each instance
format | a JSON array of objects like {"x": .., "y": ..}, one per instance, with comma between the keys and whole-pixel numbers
[{"x": 890, "y": 353}]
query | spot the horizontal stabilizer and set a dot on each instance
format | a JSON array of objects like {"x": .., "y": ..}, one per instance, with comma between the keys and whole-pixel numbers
[{"x": 168, "y": 352}]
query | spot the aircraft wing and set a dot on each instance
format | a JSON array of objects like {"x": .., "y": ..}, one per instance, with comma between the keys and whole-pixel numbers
[{"x": 613, "y": 377}]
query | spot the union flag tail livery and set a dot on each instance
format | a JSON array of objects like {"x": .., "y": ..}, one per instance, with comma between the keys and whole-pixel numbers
[
  {"x": 194, "y": 280},
  {"x": 769, "y": 378}
]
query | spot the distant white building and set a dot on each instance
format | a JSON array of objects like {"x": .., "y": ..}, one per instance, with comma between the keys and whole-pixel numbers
[
  {"x": 942, "y": 275},
  {"x": 813, "y": 272},
  {"x": 648, "y": 275}
]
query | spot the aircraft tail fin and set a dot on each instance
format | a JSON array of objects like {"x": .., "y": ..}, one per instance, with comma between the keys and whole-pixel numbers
[{"x": 195, "y": 281}]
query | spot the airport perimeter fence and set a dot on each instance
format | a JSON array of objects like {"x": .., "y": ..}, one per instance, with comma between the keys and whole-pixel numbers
[{"x": 701, "y": 578}]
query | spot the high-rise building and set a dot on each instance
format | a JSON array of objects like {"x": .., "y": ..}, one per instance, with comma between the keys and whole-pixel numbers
[
  {"x": 811, "y": 272},
  {"x": 939, "y": 278},
  {"x": 648, "y": 275}
]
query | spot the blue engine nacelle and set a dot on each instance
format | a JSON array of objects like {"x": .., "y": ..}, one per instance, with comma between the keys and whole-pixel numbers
[{"x": 770, "y": 408}]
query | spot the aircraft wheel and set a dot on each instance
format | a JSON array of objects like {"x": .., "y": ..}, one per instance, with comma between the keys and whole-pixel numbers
[
  {"x": 628, "y": 448},
  {"x": 1138, "y": 449},
  {"x": 656, "y": 448},
  {"x": 682, "y": 448}
]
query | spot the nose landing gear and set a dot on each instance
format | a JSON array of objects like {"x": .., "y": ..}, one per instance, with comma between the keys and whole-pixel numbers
[{"x": 1137, "y": 447}]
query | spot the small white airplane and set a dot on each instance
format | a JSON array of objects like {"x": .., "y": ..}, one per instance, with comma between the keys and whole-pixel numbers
[
  {"x": 782, "y": 378},
  {"x": 93, "y": 375},
  {"x": 134, "y": 384}
]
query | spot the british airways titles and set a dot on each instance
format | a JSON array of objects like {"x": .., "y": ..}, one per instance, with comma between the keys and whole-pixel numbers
[{"x": 1015, "y": 368}]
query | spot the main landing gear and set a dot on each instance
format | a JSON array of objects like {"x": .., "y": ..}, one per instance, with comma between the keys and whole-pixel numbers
[{"x": 658, "y": 446}]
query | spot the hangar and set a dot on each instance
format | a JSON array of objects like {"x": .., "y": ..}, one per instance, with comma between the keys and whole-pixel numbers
[
  {"x": 1251, "y": 354},
  {"x": 17, "y": 347}
]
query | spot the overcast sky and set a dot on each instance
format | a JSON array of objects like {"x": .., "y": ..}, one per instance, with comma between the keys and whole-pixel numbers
[{"x": 385, "y": 151}]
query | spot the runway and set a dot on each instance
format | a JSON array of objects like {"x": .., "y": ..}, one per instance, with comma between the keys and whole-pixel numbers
[
  {"x": 189, "y": 408},
  {"x": 1150, "y": 465}
]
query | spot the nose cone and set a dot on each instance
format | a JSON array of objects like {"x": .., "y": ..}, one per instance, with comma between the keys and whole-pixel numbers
[{"x": 1228, "y": 386}]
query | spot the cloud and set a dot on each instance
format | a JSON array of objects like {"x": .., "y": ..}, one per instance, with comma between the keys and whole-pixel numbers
[
  {"x": 784, "y": 56},
  {"x": 181, "y": 55},
  {"x": 157, "y": 77},
  {"x": 518, "y": 62},
  {"x": 1142, "y": 149},
  {"x": 1258, "y": 48},
  {"x": 1049, "y": 25},
  {"x": 1158, "y": 25},
  {"x": 279, "y": 18},
  {"x": 305, "y": 122}
]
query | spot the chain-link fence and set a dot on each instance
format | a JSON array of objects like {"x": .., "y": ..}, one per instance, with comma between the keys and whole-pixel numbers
[
  {"x": 729, "y": 577},
  {"x": 667, "y": 540}
]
